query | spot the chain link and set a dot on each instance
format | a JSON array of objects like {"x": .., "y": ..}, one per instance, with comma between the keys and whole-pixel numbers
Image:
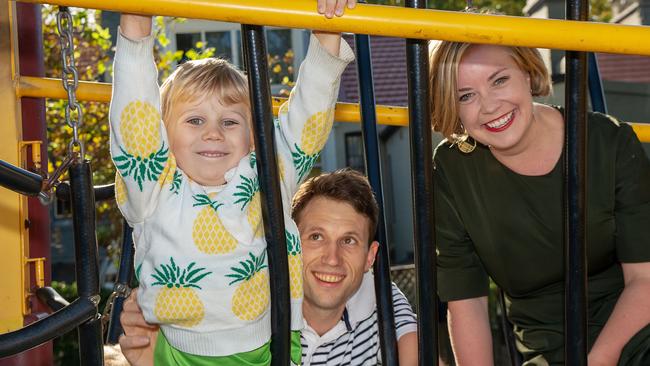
[{"x": 70, "y": 79}]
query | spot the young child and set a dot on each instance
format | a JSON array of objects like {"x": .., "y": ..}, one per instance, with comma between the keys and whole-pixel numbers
[{"x": 187, "y": 183}]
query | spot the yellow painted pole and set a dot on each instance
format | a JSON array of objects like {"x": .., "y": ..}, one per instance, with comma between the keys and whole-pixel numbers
[
  {"x": 397, "y": 22},
  {"x": 29, "y": 86},
  {"x": 35, "y": 87},
  {"x": 13, "y": 207}
]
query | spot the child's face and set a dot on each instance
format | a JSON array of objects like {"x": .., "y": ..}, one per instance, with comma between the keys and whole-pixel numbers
[{"x": 208, "y": 138}]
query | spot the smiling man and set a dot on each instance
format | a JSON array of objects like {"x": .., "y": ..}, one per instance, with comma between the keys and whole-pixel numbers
[{"x": 337, "y": 217}]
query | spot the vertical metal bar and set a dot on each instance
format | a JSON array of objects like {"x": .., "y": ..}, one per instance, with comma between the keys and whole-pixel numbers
[
  {"x": 575, "y": 163},
  {"x": 82, "y": 201},
  {"x": 255, "y": 60},
  {"x": 417, "y": 58},
  {"x": 596, "y": 92},
  {"x": 383, "y": 287},
  {"x": 124, "y": 277}
]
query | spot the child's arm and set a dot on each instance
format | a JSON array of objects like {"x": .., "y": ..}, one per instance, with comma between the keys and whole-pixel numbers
[
  {"x": 139, "y": 145},
  {"x": 135, "y": 27},
  {"x": 332, "y": 41},
  {"x": 306, "y": 118}
]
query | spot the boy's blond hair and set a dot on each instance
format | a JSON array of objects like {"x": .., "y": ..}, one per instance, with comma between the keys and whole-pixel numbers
[
  {"x": 443, "y": 82},
  {"x": 193, "y": 80}
]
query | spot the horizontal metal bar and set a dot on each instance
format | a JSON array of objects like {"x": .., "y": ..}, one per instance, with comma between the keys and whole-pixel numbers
[
  {"x": 29, "y": 86},
  {"x": 19, "y": 180},
  {"x": 397, "y": 22},
  {"x": 35, "y": 87},
  {"x": 102, "y": 193},
  {"x": 49, "y": 296},
  {"x": 50, "y": 327}
]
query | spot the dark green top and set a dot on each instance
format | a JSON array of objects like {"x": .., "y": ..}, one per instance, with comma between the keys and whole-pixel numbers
[{"x": 491, "y": 221}]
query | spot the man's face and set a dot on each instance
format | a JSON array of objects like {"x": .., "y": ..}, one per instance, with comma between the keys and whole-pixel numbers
[{"x": 336, "y": 253}]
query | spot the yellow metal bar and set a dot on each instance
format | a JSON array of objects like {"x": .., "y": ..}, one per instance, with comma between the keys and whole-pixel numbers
[
  {"x": 29, "y": 86},
  {"x": 13, "y": 207},
  {"x": 642, "y": 131},
  {"x": 397, "y": 22}
]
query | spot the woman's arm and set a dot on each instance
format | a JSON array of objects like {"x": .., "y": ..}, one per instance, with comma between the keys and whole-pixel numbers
[
  {"x": 631, "y": 313},
  {"x": 469, "y": 330}
]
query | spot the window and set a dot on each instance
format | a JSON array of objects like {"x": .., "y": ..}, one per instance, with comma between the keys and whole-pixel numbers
[
  {"x": 187, "y": 41},
  {"x": 354, "y": 155},
  {"x": 285, "y": 48},
  {"x": 223, "y": 45},
  {"x": 226, "y": 44},
  {"x": 278, "y": 46},
  {"x": 62, "y": 209}
]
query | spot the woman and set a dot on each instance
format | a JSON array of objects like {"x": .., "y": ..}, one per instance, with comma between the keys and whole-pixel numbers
[{"x": 499, "y": 199}]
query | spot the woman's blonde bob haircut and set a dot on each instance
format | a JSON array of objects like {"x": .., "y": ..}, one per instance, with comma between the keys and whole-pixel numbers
[
  {"x": 193, "y": 80},
  {"x": 443, "y": 82}
]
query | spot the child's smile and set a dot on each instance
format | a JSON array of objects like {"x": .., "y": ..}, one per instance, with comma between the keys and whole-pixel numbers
[{"x": 208, "y": 138}]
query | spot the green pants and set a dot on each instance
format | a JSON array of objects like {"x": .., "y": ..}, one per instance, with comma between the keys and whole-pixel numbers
[{"x": 165, "y": 354}]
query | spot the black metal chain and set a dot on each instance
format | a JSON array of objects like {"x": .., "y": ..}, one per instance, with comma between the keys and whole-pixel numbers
[{"x": 70, "y": 79}]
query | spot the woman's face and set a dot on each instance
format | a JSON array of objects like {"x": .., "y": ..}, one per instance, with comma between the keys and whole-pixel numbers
[{"x": 494, "y": 98}]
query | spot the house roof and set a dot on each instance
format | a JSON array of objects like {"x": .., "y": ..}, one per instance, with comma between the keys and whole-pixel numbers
[
  {"x": 389, "y": 71},
  {"x": 628, "y": 68},
  {"x": 388, "y": 68}
]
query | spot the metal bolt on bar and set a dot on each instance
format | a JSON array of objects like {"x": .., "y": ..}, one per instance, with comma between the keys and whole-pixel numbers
[
  {"x": 575, "y": 169},
  {"x": 422, "y": 181},
  {"x": 383, "y": 287},
  {"x": 255, "y": 60}
]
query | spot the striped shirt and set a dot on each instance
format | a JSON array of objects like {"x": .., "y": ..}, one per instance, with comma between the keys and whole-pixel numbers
[{"x": 354, "y": 340}]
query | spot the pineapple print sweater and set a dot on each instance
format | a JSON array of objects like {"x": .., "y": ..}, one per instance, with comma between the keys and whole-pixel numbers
[{"x": 200, "y": 251}]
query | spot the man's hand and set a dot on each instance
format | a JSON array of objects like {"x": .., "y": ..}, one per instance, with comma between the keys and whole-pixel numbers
[
  {"x": 335, "y": 7},
  {"x": 139, "y": 338}
]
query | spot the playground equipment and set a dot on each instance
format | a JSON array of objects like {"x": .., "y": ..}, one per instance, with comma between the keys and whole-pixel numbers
[{"x": 414, "y": 23}]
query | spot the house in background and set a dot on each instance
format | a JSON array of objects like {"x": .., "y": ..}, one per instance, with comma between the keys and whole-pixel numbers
[{"x": 626, "y": 78}]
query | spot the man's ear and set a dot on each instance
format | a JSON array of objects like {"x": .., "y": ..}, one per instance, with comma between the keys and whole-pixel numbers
[{"x": 372, "y": 254}]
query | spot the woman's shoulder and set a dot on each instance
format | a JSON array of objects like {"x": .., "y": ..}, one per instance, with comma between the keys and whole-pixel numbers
[{"x": 601, "y": 124}]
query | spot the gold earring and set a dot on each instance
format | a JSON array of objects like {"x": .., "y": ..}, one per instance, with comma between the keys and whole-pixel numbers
[{"x": 464, "y": 145}]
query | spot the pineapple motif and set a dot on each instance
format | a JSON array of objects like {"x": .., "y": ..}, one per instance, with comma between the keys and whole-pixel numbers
[
  {"x": 314, "y": 136},
  {"x": 143, "y": 154},
  {"x": 208, "y": 232},
  {"x": 253, "y": 161},
  {"x": 249, "y": 196},
  {"x": 251, "y": 297},
  {"x": 170, "y": 175},
  {"x": 178, "y": 302},
  {"x": 138, "y": 270},
  {"x": 295, "y": 264},
  {"x": 120, "y": 190}
]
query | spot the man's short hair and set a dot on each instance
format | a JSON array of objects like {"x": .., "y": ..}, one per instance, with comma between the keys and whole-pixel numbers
[{"x": 344, "y": 185}]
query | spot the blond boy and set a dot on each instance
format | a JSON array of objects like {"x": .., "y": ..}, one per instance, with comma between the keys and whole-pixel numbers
[{"x": 187, "y": 183}]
